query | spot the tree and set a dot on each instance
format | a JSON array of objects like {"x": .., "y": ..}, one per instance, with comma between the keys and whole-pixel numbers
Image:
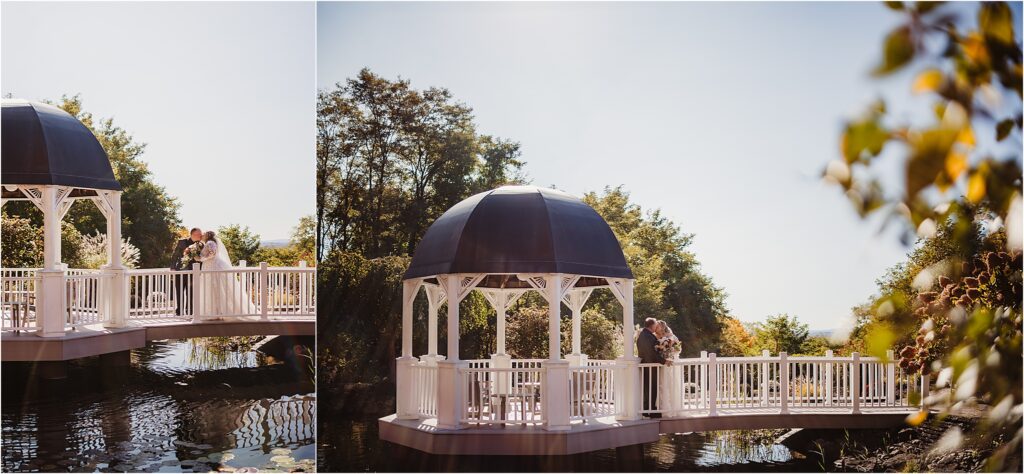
[
  {"x": 780, "y": 333},
  {"x": 736, "y": 340},
  {"x": 303, "y": 239},
  {"x": 669, "y": 283},
  {"x": 149, "y": 214},
  {"x": 964, "y": 317},
  {"x": 391, "y": 158},
  {"x": 240, "y": 242},
  {"x": 22, "y": 243}
]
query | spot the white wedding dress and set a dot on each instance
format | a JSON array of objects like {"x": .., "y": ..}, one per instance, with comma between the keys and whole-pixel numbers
[
  {"x": 222, "y": 294},
  {"x": 670, "y": 390}
]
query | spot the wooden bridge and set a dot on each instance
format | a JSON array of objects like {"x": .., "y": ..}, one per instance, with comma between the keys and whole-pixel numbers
[
  {"x": 613, "y": 404},
  {"x": 103, "y": 312}
]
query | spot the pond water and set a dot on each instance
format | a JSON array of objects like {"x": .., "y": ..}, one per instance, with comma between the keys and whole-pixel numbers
[
  {"x": 353, "y": 445},
  {"x": 184, "y": 405}
]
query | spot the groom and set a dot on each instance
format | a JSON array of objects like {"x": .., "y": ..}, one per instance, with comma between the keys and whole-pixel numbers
[
  {"x": 646, "y": 347},
  {"x": 182, "y": 289}
]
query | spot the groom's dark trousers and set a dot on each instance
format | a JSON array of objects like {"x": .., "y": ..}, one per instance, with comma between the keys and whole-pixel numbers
[
  {"x": 182, "y": 289},
  {"x": 646, "y": 348}
]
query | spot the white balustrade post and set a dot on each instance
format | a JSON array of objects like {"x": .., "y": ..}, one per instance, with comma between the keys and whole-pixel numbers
[
  {"x": 712, "y": 369},
  {"x": 855, "y": 382},
  {"x": 405, "y": 397},
  {"x": 765, "y": 387},
  {"x": 890, "y": 378},
  {"x": 828, "y": 377},
  {"x": 197, "y": 294},
  {"x": 451, "y": 389},
  {"x": 116, "y": 294},
  {"x": 703, "y": 378},
  {"x": 627, "y": 367},
  {"x": 784, "y": 382},
  {"x": 51, "y": 308},
  {"x": 243, "y": 263},
  {"x": 555, "y": 389},
  {"x": 264, "y": 291},
  {"x": 303, "y": 282}
]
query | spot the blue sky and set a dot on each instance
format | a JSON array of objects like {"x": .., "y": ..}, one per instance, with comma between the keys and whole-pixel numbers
[
  {"x": 721, "y": 115},
  {"x": 224, "y": 95}
]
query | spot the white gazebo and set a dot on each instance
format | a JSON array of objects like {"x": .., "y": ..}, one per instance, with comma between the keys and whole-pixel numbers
[
  {"x": 52, "y": 160},
  {"x": 504, "y": 243}
]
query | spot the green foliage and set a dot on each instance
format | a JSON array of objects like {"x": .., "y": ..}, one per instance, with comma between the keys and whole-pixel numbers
[
  {"x": 22, "y": 243},
  {"x": 240, "y": 242},
  {"x": 527, "y": 334},
  {"x": 303, "y": 239},
  {"x": 955, "y": 306},
  {"x": 94, "y": 249},
  {"x": 278, "y": 256},
  {"x": 669, "y": 284},
  {"x": 780, "y": 333},
  {"x": 736, "y": 340}
]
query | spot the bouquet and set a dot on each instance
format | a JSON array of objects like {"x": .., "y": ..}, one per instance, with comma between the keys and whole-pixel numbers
[
  {"x": 669, "y": 347},
  {"x": 191, "y": 254}
]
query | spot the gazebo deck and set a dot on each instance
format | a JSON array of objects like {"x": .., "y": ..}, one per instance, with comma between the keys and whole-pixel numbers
[
  {"x": 94, "y": 339},
  {"x": 608, "y": 433}
]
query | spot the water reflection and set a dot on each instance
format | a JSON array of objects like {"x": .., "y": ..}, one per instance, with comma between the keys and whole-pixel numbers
[
  {"x": 353, "y": 445},
  {"x": 180, "y": 405}
]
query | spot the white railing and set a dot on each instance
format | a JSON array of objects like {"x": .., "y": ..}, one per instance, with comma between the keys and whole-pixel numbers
[
  {"x": 424, "y": 379},
  {"x": 710, "y": 384},
  {"x": 161, "y": 294},
  {"x": 82, "y": 298},
  {"x": 501, "y": 396},
  {"x": 591, "y": 392},
  {"x": 527, "y": 363},
  {"x": 18, "y": 298}
]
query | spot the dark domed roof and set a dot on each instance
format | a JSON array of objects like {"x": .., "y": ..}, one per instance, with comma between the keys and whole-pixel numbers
[
  {"x": 45, "y": 145},
  {"x": 520, "y": 229}
]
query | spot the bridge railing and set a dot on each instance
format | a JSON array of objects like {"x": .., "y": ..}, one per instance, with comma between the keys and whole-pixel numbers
[
  {"x": 709, "y": 384},
  {"x": 161, "y": 294}
]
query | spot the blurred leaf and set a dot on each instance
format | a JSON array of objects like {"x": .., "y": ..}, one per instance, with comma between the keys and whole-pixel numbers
[
  {"x": 898, "y": 6},
  {"x": 879, "y": 340},
  {"x": 996, "y": 22},
  {"x": 1003, "y": 129},
  {"x": 966, "y": 136},
  {"x": 974, "y": 49},
  {"x": 976, "y": 187},
  {"x": 929, "y": 80},
  {"x": 928, "y": 158},
  {"x": 918, "y": 417},
  {"x": 898, "y": 51},
  {"x": 925, "y": 7},
  {"x": 956, "y": 164},
  {"x": 867, "y": 135}
]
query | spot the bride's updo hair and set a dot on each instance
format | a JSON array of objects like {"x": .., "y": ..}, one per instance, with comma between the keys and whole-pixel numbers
[{"x": 210, "y": 235}]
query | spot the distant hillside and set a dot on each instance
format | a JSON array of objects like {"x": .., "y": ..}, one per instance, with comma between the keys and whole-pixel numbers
[
  {"x": 274, "y": 244},
  {"x": 821, "y": 332}
]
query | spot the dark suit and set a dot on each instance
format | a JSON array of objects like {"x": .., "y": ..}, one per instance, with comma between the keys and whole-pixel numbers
[
  {"x": 646, "y": 347},
  {"x": 182, "y": 288}
]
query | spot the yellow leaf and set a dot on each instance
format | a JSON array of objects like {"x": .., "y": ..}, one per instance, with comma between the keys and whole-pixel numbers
[
  {"x": 929, "y": 80},
  {"x": 976, "y": 188},
  {"x": 916, "y": 418},
  {"x": 966, "y": 136},
  {"x": 956, "y": 164}
]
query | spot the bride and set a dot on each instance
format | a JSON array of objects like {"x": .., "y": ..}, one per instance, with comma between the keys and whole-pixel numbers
[
  {"x": 670, "y": 386},
  {"x": 221, "y": 294}
]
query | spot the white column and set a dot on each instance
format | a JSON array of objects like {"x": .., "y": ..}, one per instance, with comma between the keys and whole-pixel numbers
[
  {"x": 451, "y": 391},
  {"x": 50, "y": 294},
  {"x": 712, "y": 384},
  {"x": 628, "y": 345},
  {"x": 784, "y": 382},
  {"x": 115, "y": 272},
  {"x": 627, "y": 370},
  {"x": 502, "y": 308},
  {"x": 405, "y": 396},
  {"x": 114, "y": 232},
  {"x": 433, "y": 301},
  {"x": 553, "y": 293},
  {"x": 855, "y": 381}
]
